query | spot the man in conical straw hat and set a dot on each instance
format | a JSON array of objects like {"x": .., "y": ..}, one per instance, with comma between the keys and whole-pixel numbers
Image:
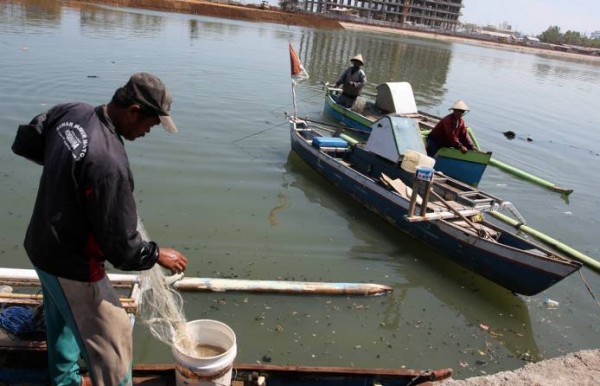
[
  {"x": 352, "y": 81},
  {"x": 451, "y": 131}
]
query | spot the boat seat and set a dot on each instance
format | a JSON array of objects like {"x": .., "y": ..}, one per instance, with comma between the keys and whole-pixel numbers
[{"x": 462, "y": 193}]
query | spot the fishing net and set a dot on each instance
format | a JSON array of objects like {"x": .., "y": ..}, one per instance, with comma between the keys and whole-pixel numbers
[{"x": 161, "y": 306}]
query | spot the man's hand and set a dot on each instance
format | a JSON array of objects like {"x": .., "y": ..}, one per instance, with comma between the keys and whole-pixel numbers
[
  {"x": 172, "y": 260},
  {"x": 463, "y": 149}
]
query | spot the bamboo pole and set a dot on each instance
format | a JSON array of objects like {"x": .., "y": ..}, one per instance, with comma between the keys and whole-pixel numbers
[
  {"x": 14, "y": 275},
  {"x": 529, "y": 177},
  {"x": 587, "y": 260}
]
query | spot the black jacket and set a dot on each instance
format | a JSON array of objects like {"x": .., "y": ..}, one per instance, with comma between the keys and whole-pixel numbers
[{"x": 85, "y": 212}]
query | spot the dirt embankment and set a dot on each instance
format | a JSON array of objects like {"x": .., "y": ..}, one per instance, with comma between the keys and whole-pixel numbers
[
  {"x": 250, "y": 13},
  {"x": 253, "y": 12},
  {"x": 578, "y": 368}
]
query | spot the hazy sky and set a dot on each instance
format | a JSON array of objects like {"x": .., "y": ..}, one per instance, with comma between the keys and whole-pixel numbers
[{"x": 535, "y": 16}]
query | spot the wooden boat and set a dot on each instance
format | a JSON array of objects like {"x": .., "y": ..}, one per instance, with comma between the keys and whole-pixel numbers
[
  {"x": 257, "y": 375},
  {"x": 378, "y": 174},
  {"x": 397, "y": 98}
]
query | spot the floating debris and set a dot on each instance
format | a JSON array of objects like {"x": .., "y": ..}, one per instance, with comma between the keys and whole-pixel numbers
[
  {"x": 509, "y": 134},
  {"x": 549, "y": 303}
]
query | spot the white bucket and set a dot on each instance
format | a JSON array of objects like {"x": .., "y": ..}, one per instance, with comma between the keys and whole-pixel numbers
[{"x": 206, "y": 370}]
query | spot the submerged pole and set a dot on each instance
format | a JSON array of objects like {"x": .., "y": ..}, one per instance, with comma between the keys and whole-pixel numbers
[
  {"x": 587, "y": 260},
  {"x": 529, "y": 177}
]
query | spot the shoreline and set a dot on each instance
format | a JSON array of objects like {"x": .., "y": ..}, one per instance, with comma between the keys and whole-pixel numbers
[
  {"x": 577, "y": 368},
  {"x": 253, "y": 12},
  {"x": 478, "y": 42}
]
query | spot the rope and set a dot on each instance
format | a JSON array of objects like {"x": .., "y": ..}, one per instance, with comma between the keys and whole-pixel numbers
[
  {"x": 20, "y": 321},
  {"x": 588, "y": 288},
  {"x": 258, "y": 132}
]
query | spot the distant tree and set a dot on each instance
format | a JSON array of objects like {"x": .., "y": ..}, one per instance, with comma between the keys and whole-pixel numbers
[
  {"x": 554, "y": 36},
  {"x": 551, "y": 35},
  {"x": 573, "y": 38}
]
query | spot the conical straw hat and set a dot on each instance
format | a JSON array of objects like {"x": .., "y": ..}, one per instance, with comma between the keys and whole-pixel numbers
[
  {"x": 358, "y": 58},
  {"x": 460, "y": 105}
]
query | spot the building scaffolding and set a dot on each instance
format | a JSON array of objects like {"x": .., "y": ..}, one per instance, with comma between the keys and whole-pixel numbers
[{"x": 439, "y": 14}]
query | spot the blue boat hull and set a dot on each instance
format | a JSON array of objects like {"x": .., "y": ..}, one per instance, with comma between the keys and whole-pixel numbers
[{"x": 462, "y": 170}]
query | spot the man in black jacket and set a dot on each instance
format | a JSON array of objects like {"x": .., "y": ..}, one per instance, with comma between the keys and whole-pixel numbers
[{"x": 84, "y": 215}]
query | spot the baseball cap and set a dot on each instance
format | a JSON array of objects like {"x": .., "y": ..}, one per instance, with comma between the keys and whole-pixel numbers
[{"x": 150, "y": 92}]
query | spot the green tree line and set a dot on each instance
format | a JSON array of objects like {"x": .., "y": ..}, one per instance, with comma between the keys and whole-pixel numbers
[{"x": 553, "y": 36}]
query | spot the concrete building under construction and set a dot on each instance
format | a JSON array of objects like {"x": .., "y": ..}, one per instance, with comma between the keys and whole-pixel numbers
[{"x": 442, "y": 14}]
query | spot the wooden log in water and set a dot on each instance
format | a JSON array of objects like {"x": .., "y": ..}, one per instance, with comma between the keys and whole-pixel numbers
[{"x": 15, "y": 275}]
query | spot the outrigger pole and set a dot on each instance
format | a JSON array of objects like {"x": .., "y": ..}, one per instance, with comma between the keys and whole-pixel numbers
[
  {"x": 229, "y": 285},
  {"x": 587, "y": 260}
]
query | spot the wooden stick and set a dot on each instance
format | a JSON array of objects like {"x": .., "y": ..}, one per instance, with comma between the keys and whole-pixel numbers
[{"x": 478, "y": 231}]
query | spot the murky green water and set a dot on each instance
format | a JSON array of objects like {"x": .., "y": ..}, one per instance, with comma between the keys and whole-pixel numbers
[{"x": 227, "y": 191}]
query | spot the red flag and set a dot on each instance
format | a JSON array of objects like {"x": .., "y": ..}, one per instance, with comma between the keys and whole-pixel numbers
[{"x": 298, "y": 71}]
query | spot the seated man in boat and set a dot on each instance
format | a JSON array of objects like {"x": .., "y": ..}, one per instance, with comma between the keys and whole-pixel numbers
[
  {"x": 451, "y": 131},
  {"x": 352, "y": 81}
]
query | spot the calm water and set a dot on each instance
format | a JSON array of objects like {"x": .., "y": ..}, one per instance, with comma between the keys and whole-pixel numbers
[{"x": 227, "y": 191}]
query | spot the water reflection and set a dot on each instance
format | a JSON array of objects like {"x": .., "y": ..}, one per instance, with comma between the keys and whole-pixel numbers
[
  {"x": 422, "y": 63},
  {"x": 546, "y": 70},
  {"x": 107, "y": 22},
  {"x": 496, "y": 316},
  {"x": 18, "y": 16}
]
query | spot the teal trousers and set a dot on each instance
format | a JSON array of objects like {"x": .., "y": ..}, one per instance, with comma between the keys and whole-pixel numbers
[{"x": 86, "y": 320}]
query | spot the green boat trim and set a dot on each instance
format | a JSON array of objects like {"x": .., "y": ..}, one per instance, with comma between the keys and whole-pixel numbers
[{"x": 471, "y": 156}]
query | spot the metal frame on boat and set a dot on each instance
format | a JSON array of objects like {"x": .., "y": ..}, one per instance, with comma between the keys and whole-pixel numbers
[{"x": 455, "y": 225}]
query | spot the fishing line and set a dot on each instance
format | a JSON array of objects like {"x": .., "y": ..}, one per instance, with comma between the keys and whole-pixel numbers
[
  {"x": 588, "y": 288},
  {"x": 258, "y": 132}
]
